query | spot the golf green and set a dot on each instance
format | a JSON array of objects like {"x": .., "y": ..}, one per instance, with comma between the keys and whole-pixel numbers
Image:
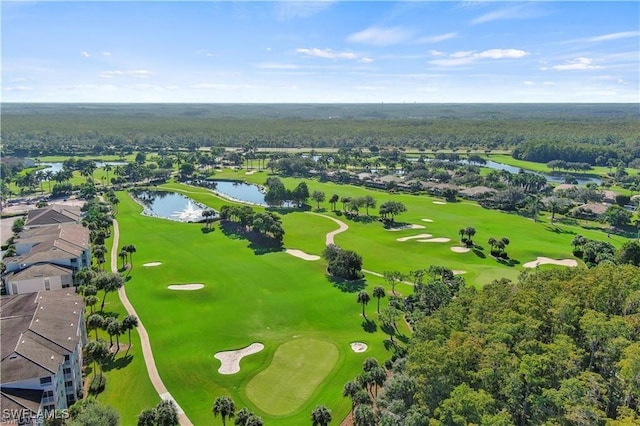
[{"x": 297, "y": 368}]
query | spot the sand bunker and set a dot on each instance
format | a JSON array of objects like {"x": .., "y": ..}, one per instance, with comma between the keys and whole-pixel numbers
[
  {"x": 302, "y": 255},
  {"x": 435, "y": 240},
  {"x": 457, "y": 249},
  {"x": 152, "y": 264},
  {"x": 458, "y": 272},
  {"x": 185, "y": 286},
  {"x": 439, "y": 202},
  {"x": 358, "y": 347},
  {"x": 545, "y": 260},
  {"x": 402, "y": 228},
  {"x": 414, "y": 236},
  {"x": 251, "y": 172},
  {"x": 231, "y": 359},
  {"x": 427, "y": 220}
]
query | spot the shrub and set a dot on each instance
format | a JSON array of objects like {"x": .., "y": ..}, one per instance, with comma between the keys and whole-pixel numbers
[{"x": 97, "y": 384}]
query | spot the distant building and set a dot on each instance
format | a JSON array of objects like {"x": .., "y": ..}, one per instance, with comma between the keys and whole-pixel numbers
[{"x": 41, "y": 352}]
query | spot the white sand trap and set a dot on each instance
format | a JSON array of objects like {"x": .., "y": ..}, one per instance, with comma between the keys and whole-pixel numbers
[
  {"x": 457, "y": 249},
  {"x": 435, "y": 240},
  {"x": 439, "y": 202},
  {"x": 427, "y": 220},
  {"x": 402, "y": 228},
  {"x": 358, "y": 347},
  {"x": 231, "y": 359},
  {"x": 414, "y": 236},
  {"x": 302, "y": 255},
  {"x": 545, "y": 260},
  {"x": 458, "y": 271},
  {"x": 152, "y": 264},
  {"x": 251, "y": 172},
  {"x": 186, "y": 286}
]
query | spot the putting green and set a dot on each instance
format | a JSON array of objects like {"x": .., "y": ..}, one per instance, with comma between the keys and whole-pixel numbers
[{"x": 297, "y": 368}]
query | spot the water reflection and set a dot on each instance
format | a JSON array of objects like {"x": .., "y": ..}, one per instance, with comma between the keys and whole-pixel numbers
[{"x": 169, "y": 205}]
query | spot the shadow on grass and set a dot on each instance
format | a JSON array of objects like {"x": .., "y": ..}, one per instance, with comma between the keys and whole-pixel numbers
[
  {"x": 206, "y": 230},
  {"x": 347, "y": 286},
  {"x": 555, "y": 229},
  {"x": 508, "y": 262},
  {"x": 115, "y": 363},
  {"x": 259, "y": 243},
  {"x": 479, "y": 253},
  {"x": 286, "y": 210},
  {"x": 369, "y": 326}
]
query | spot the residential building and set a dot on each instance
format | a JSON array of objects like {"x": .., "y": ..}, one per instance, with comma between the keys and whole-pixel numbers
[
  {"x": 42, "y": 338},
  {"x": 54, "y": 214}
]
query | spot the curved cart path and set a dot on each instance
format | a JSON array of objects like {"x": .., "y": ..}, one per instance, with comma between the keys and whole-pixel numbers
[
  {"x": 152, "y": 370},
  {"x": 343, "y": 227}
]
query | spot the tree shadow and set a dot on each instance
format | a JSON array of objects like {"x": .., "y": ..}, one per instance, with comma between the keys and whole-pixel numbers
[
  {"x": 206, "y": 230},
  {"x": 479, "y": 253},
  {"x": 347, "y": 286},
  {"x": 259, "y": 243},
  {"x": 557, "y": 230},
  {"x": 508, "y": 262},
  {"x": 117, "y": 363},
  {"x": 369, "y": 326}
]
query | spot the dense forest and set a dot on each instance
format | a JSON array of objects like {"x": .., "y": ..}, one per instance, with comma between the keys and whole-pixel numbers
[
  {"x": 609, "y": 130},
  {"x": 557, "y": 347}
]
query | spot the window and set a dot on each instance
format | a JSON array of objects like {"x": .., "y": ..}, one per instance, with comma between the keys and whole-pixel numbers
[
  {"x": 47, "y": 284},
  {"x": 68, "y": 384},
  {"x": 45, "y": 380},
  {"x": 67, "y": 370},
  {"x": 66, "y": 357}
]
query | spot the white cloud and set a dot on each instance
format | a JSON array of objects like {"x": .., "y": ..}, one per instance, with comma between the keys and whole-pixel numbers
[
  {"x": 577, "y": 64},
  {"x": 520, "y": 11},
  {"x": 379, "y": 36},
  {"x": 85, "y": 54},
  {"x": 433, "y": 52},
  {"x": 549, "y": 83},
  {"x": 365, "y": 60},
  {"x": 220, "y": 86},
  {"x": 614, "y": 36},
  {"x": 18, "y": 89},
  {"x": 528, "y": 83},
  {"x": 466, "y": 57},
  {"x": 327, "y": 54},
  {"x": 129, "y": 73},
  {"x": 106, "y": 53},
  {"x": 437, "y": 38},
  {"x": 207, "y": 53}
]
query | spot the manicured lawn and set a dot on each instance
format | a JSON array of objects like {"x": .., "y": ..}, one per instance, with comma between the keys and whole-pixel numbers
[
  {"x": 268, "y": 298},
  {"x": 282, "y": 301},
  {"x": 542, "y": 167},
  {"x": 297, "y": 368}
]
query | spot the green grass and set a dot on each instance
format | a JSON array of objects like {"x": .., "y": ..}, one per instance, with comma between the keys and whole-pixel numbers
[
  {"x": 297, "y": 368},
  {"x": 272, "y": 297},
  {"x": 247, "y": 298},
  {"x": 542, "y": 167}
]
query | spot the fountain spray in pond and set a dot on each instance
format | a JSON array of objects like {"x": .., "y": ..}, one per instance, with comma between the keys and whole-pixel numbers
[{"x": 189, "y": 214}]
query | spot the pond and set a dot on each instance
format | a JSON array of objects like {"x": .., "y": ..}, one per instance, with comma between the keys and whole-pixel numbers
[
  {"x": 56, "y": 167},
  {"x": 169, "y": 205},
  {"x": 240, "y": 191}
]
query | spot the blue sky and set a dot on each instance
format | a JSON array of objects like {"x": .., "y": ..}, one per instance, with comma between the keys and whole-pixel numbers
[{"x": 320, "y": 51}]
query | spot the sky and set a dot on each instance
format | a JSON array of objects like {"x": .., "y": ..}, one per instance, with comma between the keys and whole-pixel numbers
[{"x": 320, "y": 51}]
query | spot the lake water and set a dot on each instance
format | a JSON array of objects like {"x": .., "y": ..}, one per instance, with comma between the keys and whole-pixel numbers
[
  {"x": 240, "y": 191},
  {"x": 169, "y": 205},
  {"x": 56, "y": 167}
]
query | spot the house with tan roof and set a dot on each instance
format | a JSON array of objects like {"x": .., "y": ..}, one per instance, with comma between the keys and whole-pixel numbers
[
  {"x": 42, "y": 338},
  {"x": 46, "y": 258},
  {"x": 54, "y": 214}
]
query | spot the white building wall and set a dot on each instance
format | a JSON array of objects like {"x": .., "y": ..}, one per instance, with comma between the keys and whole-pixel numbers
[{"x": 34, "y": 285}]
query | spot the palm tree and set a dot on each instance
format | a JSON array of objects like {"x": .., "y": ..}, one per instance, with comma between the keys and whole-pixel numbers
[
  {"x": 492, "y": 243},
  {"x": 96, "y": 351},
  {"x": 123, "y": 255},
  {"x": 333, "y": 200},
  {"x": 95, "y": 321},
  {"x": 369, "y": 202},
  {"x": 224, "y": 406},
  {"x": 115, "y": 329},
  {"x": 462, "y": 232},
  {"x": 378, "y": 293},
  {"x": 130, "y": 248},
  {"x": 208, "y": 214},
  {"x": 470, "y": 231},
  {"x": 363, "y": 297},
  {"x": 129, "y": 323},
  {"x": 321, "y": 416},
  {"x": 318, "y": 197},
  {"x": 242, "y": 417},
  {"x": 90, "y": 301},
  {"x": 350, "y": 389}
]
